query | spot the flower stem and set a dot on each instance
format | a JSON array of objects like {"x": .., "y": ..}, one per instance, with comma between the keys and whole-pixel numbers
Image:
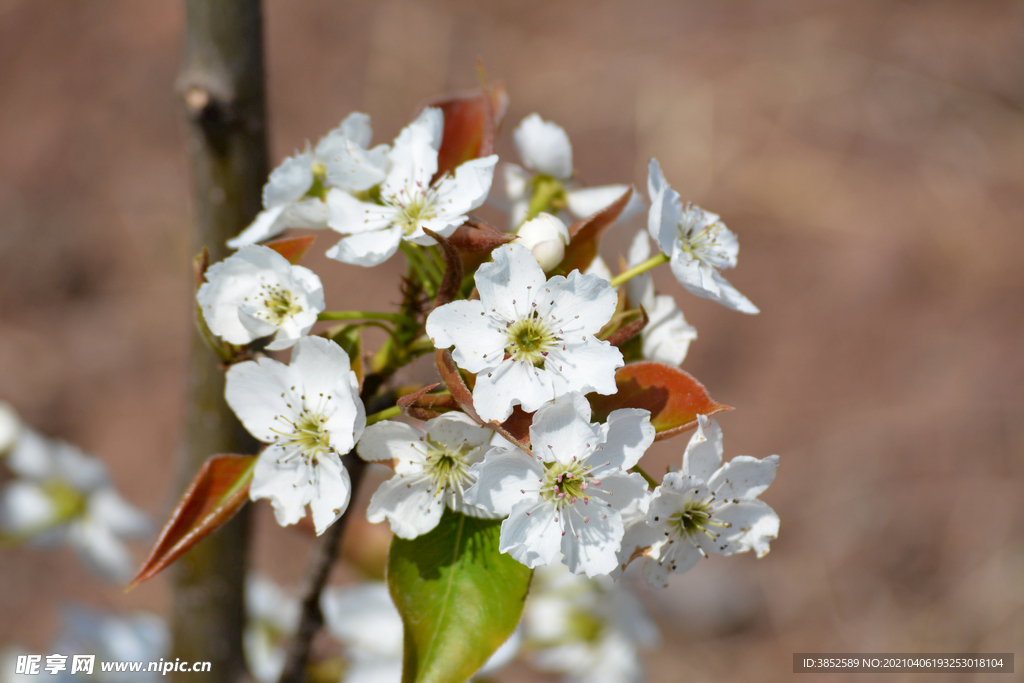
[
  {"x": 648, "y": 478},
  {"x": 382, "y": 415},
  {"x": 548, "y": 196},
  {"x": 415, "y": 259},
  {"x": 396, "y": 318},
  {"x": 637, "y": 270}
]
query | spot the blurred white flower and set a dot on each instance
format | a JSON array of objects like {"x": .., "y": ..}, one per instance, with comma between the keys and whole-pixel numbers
[
  {"x": 697, "y": 242},
  {"x": 431, "y": 470},
  {"x": 62, "y": 495},
  {"x": 139, "y": 637},
  {"x": 408, "y": 202},
  {"x": 295, "y": 192},
  {"x": 271, "y": 619},
  {"x": 10, "y": 423},
  {"x": 706, "y": 507},
  {"x": 257, "y": 293},
  {"x": 570, "y": 496},
  {"x": 546, "y": 328},
  {"x": 588, "y": 629},
  {"x": 546, "y": 152},
  {"x": 310, "y": 414}
]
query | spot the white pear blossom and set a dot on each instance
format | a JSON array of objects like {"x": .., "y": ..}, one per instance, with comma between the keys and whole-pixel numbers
[
  {"x": 546, "y": 236},
  {"x": 139, "y": 636},
  {"x": 271, "y": 619},
  {"x": 546, "y": 152},
  {"x": 310, "y": 414},
  {"x": 705, "y": 507},
  {"x": 546, "y": 328},
  {"x": 590, "y": 630},
  {"x": 63, "y": 496},
  {"x": 697, "y": 242},
  {"x": 257, "y": 293},
  {"x": 408, "y": 201},
  {"x": 295, "y": 193},
  {"x": 569, "y": 497},
  {"x": 666, "y": 337},
  {"x": 431, "y": 470}
]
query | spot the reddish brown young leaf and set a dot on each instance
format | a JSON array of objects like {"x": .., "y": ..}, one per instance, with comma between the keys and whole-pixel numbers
[
  {"x": 449, "y": 288},
  {"x": 518, "y": 425},
  {"x": 292, "y": 248},
  {"x": 461, "y": 393},
  {"x": 585, "y": 235},
  {"x": 478, "y": 237},
  {"x": 673, "y": 397},
  {"x": 217, "y": 492},
  {"x": 471, "y": 120},
  {"x": 421, "y": 404},
  {"x": 627, "y": 332}
]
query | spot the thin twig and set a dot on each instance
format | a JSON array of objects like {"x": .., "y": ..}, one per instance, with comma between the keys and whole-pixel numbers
[{"x": 311, "y": 619}]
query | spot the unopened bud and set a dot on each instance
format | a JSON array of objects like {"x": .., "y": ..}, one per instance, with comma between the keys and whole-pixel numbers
[{"x": 546, "y": 236}]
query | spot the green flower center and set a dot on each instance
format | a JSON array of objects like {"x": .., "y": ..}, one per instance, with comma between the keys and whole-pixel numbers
[
  {"x": 447, "y": 467},
  {"x": 307, "y": 437},
  {"x": 694, "y": 518},
  {"x": 565, "y": 484},
  {"x": 529, "y": 340},
  {"x": 318, "y": 189},
  {"x": 419, "y": 208}
]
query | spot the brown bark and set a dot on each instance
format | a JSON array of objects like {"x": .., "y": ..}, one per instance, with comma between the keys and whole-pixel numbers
[{"x": 221, "y": 86}]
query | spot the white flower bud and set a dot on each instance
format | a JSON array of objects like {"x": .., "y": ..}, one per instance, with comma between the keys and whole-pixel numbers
[{"x": 546, "y": 236}]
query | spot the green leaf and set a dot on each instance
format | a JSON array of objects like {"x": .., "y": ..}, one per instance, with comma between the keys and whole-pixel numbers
[{"x": 459, "y": 598}]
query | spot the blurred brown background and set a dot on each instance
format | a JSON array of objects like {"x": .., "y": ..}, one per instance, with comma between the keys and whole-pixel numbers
[{"x": 869, "y": 155}]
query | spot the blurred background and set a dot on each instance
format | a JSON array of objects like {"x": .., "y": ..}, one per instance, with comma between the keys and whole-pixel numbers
[{"x": 869, "y": 155}]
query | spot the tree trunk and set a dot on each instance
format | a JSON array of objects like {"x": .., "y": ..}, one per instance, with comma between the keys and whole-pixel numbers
[{"x": 221, "y": 88}]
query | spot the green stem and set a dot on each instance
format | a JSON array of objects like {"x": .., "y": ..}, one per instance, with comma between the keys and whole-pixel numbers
[
  {"x": 382, "y": 415},
  {"x": 431, "y": 257},
  {"x": 637, "y": 270},
  {"x": 648, "y": 478},
  {"x": 396, "y": 318},
  {"x": 415, "y": 259},
  {"x": 548, "y": 195}
]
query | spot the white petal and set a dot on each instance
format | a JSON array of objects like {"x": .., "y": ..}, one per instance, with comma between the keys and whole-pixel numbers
[
  {"x": 372, "y": 670},
  {"x": 667, "y": 337},
  {"x": 356, "y": 127},
  {"x": 408, "y": 503},
  {"x": 284, "y": 484},
  {"x": 510, "y": 282},
  {"x": 629, "y": 434},
  {"x": 391, "y": 440},
  {"x": 599, "y": 268},
  {"x": 456, "y": 429},
  {"x": 254, "y": 391},
  {"x": 502, "y": 478},
  {"x": 25, "y": 508},
  {"x": 330, "y": 388},
  {"x": 289, "y": 181},
  {"x": 589, "y": 547},
  {"x": 544, "y": 147},
  {"x": 82, "y": 472},
  {"x": 743, "y": 477},
  {"x": 348, "y": 215},
  {"x": 10, "y": 424},
  {"x": 364, "y": 618},
  {"x": 531, "y": 535},
  {"x": 331, "y": 492},
  {"x": 679, "y": 558},
  {"x": 754, "y": 525},
  {"x": 517, "y": 182},
  {"x": 584, "y": 367},
  {"x": 354, "y": 169},
  {"x": 100, "y": 550},
  {"x": 582, "y": 304},
  {"x": 268, "y": 223},
  {"x": 473, "y": 180},
  {"x": 706, "y": 282},
  {"x": 511, "y": 383},
  {"x": 666, "y": 209},
  {"x": 110, "y": 509},
  {"x": 562, "y": 431},
  {"x": 703, "y": 454},
  {"x": 587, "y": 201},
  {"x": 32, "y": 455},
  {"x": 479, "y": 339},
  {"x": 543, "y": 228},
  {"x": 413, "y": 159},
  {"x": 369, "y": 248}
]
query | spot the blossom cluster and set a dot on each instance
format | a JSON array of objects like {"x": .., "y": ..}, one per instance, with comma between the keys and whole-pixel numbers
[
  {"x": 532, "y": 335},
  {"x": 57, "y": 495}
]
